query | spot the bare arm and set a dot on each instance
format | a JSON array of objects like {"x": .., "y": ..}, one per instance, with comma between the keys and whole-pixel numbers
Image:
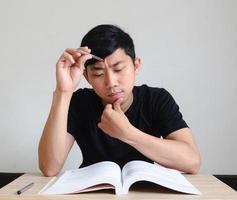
[
  {"x": 55, "y": 142},
  {"x": 178, "y": 150}
]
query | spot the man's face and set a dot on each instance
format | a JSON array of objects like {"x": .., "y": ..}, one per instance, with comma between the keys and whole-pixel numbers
[{"x": 113, "y": 78}]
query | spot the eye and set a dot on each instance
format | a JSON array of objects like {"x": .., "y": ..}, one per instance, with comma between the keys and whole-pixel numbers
[
  {"x": 97, "y": 74},
  {"x": 118, "y": 69}
]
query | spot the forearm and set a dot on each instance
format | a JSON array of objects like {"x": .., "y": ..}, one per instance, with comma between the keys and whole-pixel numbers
[
  {"x": 54, "y": 143},
  {"x": 170, "y": 153}
]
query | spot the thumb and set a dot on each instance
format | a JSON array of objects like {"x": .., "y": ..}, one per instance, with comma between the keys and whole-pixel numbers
[{"x": 117, "y": 104}]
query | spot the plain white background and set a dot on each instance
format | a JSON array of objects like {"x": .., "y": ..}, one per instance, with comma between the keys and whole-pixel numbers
[{"x": 189, "y": 47}]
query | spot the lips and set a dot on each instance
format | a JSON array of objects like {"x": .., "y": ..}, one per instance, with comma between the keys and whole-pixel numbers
[{"x": 115, "y": 95}]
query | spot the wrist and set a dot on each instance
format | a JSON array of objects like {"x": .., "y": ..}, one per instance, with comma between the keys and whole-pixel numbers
[
  {"x": 132, "y": 134},
  {"x": 62, "y": 94},
  {"x": 60, "y": 97}
]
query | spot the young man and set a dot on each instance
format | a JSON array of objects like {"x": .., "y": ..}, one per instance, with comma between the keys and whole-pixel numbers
[{"x": 115, "y": 120}]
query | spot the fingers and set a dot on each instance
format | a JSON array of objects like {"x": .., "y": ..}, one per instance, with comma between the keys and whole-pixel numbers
[
  {"x": 82, "y": 59},
  {"x": 100, "y": 125},
  {"x": 83, "y": 50},
  {"x": 109, "y": 109},
  {"x": 67, "y": 58},
  {"x": 76, "y": 53},
  {"x": 105, "y": 117},
  {"x": 107, "y": 112},
  {"x": 76, "y": 57},
  {"x": 116, "y": 105}
]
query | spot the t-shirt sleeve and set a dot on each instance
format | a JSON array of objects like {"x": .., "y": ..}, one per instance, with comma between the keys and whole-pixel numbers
[{"x": 167, "y": 117}]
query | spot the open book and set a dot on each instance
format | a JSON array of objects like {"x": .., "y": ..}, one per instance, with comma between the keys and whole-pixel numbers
[{"x": 106, "y": 174}]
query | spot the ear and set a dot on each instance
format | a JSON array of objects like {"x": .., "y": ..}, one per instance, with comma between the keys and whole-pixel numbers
[{"x": 137, "y": 65}]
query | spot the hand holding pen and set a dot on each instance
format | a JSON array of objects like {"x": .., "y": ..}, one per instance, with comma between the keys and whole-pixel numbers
[
  {"x": 70, "y": 68},
  {"x": 93, "y": 56}
]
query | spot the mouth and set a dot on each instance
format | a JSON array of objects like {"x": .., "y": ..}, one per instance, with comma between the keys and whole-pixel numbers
[{"x": 115, "y": 95}]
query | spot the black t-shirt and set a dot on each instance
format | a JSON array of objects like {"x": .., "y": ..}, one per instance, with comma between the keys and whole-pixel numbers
[{"x": 153, "y": 111}]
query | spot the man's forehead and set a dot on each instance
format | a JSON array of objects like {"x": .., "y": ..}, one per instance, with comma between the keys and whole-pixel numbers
[{"x": 117, "y": 57}]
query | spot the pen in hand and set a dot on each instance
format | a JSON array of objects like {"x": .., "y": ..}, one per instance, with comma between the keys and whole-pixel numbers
[
  {"x": 93, "y": 56},
  {"x": 20, "y": 191}
]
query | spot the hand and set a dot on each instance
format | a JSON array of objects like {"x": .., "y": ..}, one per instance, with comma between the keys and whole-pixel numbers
[
  {"x": 70, "y": 67},
  {"x": 114, "y": 122}
]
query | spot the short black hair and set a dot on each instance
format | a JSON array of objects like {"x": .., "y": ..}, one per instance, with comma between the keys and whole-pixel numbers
[{"x": 104, "y": 39}]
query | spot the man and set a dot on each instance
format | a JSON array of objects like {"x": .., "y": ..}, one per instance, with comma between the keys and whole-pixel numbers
[{"x": 115, "y": 120}]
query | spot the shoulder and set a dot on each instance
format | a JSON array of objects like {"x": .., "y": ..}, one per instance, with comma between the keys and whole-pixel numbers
[
  {"x": 81, "y": 92},
  {"x": 153, "y": 93},
  {"x": 83, "y": 96},
  {"x": 155, "y": 98}
]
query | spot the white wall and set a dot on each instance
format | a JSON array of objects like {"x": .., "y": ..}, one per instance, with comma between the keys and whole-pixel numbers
[{"x": 189, "y": 47}]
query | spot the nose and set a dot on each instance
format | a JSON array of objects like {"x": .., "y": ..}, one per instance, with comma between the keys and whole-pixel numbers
[{"x": 110, "y": 79}]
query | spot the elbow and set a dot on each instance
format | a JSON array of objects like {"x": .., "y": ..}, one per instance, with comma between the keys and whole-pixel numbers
[
  {"x": 47, "y": 170},
  {"x": 49, "y": 173},
  {"x": 195, "y": 165},
  {"x": 48, "y": 167}
]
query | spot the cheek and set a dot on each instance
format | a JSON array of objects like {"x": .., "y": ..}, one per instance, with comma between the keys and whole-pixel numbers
[
  {"x": 128, "y": 76},
  {"x": 98, "y": 86}
]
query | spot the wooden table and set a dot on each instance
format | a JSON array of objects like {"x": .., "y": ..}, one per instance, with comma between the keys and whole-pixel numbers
[{"x": 211, "y": 188}]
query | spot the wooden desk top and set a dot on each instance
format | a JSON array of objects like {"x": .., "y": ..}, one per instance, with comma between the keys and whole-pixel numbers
[{"x": 211, "y": 188}]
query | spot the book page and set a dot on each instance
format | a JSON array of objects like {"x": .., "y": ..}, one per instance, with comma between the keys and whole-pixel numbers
[
  {"x": 74, "y": 181},
  {"x": 143, "y": 171}
]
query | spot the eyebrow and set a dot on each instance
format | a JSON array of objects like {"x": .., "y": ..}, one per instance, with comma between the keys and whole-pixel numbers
[
  {"x": 117, "y": 63},
  {"x": 93, "y": 68}
]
